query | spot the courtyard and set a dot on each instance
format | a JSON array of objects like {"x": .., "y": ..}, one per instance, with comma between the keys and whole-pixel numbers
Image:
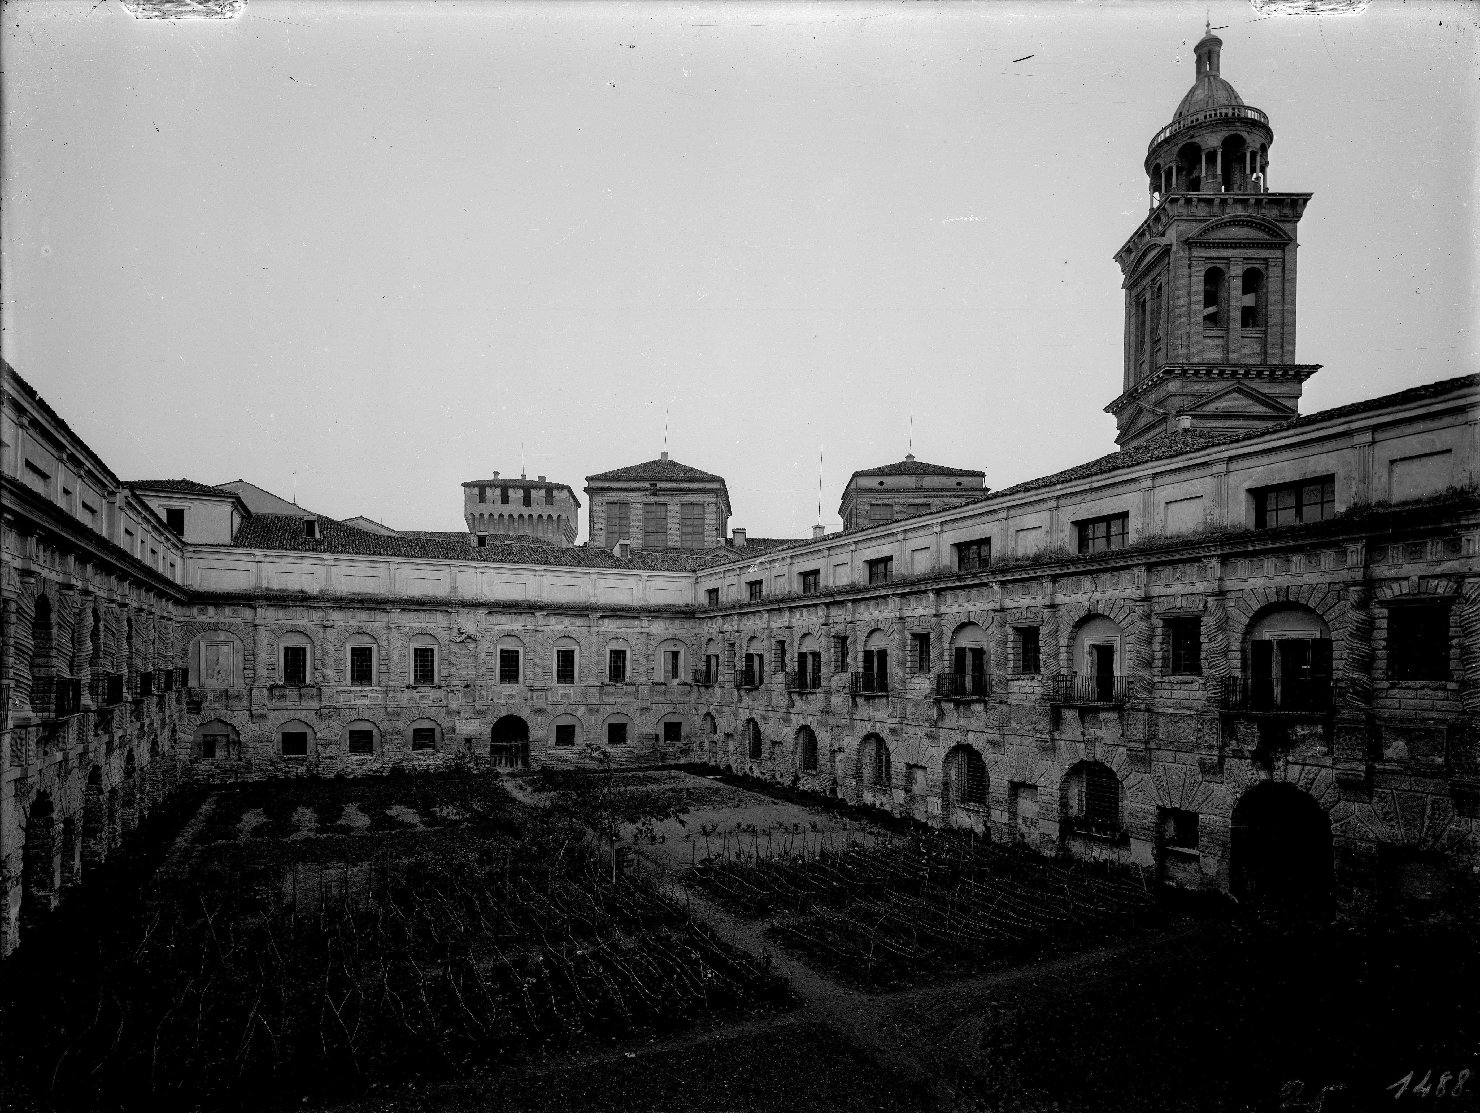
[{"x": 675, "y": 939}]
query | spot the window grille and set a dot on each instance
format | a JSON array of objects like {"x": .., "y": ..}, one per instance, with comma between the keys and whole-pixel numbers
[
  {"x": 1184, "y": 646},
  {"x": 362, "y": 741},
  {"x": 361, "y": 665},
  {"x": 423, "y": 665},
  {"x": 616, "y": 666},
  {"x": 1025, "y": 653},
  {"x": 295, "y": 664},
  {"x": 423, "y": 738},
  {"x": 508, "y": 666},
  {"x": 565, "y": 666}
]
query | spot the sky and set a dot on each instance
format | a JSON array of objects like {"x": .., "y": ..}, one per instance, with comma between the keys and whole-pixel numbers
[{"x": 369, "y": 251}]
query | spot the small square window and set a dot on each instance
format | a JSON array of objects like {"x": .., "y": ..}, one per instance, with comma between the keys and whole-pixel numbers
[
  {"x": 295, "y": 743},
  {"x": 755, "y": 588},
  {"x": 565, "y": 735},
  {"x": 616, "y": 734},
  {"x": 973, "y": 556},
  {"x": 1179, "y": 828},
  {"x": 811, "y": 581},
  {"x": 672, "y": 734},
  {"x": 1310, "y": 500},
  {"x": 362, "y": 741},
  {"x": 880, "y": 571},
  {"x": 711, "y": 597},
  {"x": 212, "y": 744},
  {"x": 423, "y": 738},
  {"x": 174, "y": 517},
  {"x": 1098, "y": 535},
  {"x": 1418, "y": 641}
]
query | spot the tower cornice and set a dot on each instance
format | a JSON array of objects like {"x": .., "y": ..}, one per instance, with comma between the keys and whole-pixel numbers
[
  {"x": 1264, "y": 372},
  {"x": 1204, "y": 207}
]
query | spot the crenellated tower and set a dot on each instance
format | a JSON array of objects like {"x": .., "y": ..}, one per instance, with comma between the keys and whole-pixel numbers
[{"x": 1210, "y": 274}]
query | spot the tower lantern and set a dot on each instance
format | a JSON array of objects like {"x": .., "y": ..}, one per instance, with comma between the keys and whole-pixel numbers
[{"x": 1210, "y": 273}]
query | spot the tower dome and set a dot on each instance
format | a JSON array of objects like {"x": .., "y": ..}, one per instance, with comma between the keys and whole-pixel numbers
[
  {"x": 1209, "y": 90},
  {"x": 1215, "y": 143}
]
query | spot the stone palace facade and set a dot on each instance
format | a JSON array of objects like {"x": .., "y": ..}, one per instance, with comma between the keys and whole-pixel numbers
[{"x": 1243, "y": 651}]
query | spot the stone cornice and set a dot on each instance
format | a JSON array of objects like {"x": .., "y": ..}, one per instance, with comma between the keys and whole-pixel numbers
[{"x": 1228, "y": 372}]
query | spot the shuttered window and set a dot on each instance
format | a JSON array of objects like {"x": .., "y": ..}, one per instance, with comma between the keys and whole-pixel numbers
[
  {"x": 691, "y": 525},
  {"x": 618, "y": 522},
  {"x": 655, "y": 525}
]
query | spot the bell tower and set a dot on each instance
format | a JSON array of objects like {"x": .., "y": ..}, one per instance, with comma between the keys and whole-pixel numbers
[{"x": 1210, "y": 274}]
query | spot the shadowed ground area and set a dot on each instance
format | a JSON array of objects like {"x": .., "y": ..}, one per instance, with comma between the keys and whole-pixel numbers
[{"x": 460, "y": 942}]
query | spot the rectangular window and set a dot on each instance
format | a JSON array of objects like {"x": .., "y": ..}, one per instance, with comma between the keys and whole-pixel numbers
[
  {"x": 672, "y": 734},
  {"x": 875, "y": 670},
  {"x": 616, "y": 733},
  {"x": 919, "y": 659},
  {"x": 174, "y": 517},
  {"x": 1184, "y": 646},
  {"x": 880, "y": 571},
  {"x": 618, "y": 522},
  {"x": 503, "y": 495},
  {"x": 295, "y": 743},
  {"x": 691, "y": 525},
  {"x": 1418, "y": 641},
  {"x": 565, "y": 735},
  {"x": 1179, "y": 828},
  {"x": 812, "y": 581},
  {"x": 754, "y": 670},
  {"x": 655, "y": 525},
  {"x": 1096, "y": 535},
  {"x": 778, "y": 659},
  {"x": 840, "y": 654},
  {"x": 311, "y": 529},
  {"x": 616, "y": 666},
  {"x": 211, "y": 744},
  {"x": 508, "y": 666},
  {"x": 1025, "y": 657},
  {"x": 880, "y": 513},
  {"x": 711, "y": 668},
  {"x": 423, "y": 738},
  {"x": 362, "y": 741},
  {"x": 671, "y": 658},
  {"x": 549, "y": 496},
  {"x": 295, "y": 664},
  {"x": 711, "y": 597},
  {"x": 482, "y": 494},
  {"x": 973, "y": 556},
  {"x": 1310, "y": 500},
  {"x": 36, "y": 479},
  {"x": 528, "y": 497},
  {"x": 565, "y": 666},
  {"x": 423, "y": 664},
  {"x": 754, "y": 588},
  {"x": 362, "y": 665}
]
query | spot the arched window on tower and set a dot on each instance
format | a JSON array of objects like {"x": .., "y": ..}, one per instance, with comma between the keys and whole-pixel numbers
[
  {"x": 1213, "y": 290},
  {"x": 1251, "y": 307},
  {"x": 1156, "y": 336},
  {"x": 1141, "y": 368}
]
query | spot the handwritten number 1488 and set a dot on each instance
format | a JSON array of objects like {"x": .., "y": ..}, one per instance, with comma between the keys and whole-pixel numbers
[{"x": 1439, "y": 1089}]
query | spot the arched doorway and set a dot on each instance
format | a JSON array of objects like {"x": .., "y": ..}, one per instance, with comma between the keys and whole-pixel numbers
[
  {"x": 509, "y": 745},
  {"x": 1281, "y": 850}
]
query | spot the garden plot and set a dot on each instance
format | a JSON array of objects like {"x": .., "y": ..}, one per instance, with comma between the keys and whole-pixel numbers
[{"x": 323, "y": 935}]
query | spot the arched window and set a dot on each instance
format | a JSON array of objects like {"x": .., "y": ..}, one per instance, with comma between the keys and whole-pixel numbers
[
  {"x": 1189, "y": 167},
  {"x": 876, "y": 662},
  {"x": 1288, "y": 661},
  {"x": 753, "y": 740},
  {"x": 965, "y": 777},
  {"x": 1092, "y": 799},
  {"x": 510, "y": 660},
  {"x": 426, "y": 664},
  {"x": 874, "y": 762},
  {"x": 295, "y": 659},
  {"x": 567, "y": 660},
  {"x": 1251, "y": 305},
  {"x": 1097, "y": 659},
  {"x": 566, "y": 732},
  {"x": 361, "y": 738},
  {"x": 362, "y": 660},
  {"x": 807, "y": 750},
  {"x": 668, "y": 667},
  {"x": 295, "y": 739},
  {"x": 1214, "y": 283},
  {"x": 215, "y": 740},
  {"x": 708, "y": 723}
]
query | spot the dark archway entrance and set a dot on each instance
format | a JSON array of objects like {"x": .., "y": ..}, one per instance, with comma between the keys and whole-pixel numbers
[
  {"x": 510, "y": 743},
  {"x": 1281, "y": 851}
]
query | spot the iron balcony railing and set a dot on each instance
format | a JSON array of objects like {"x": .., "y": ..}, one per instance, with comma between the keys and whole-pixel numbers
[
  {"x": 167, "y": 680},
  {"x": 1096, "y": 828},
  {"x": 56, "y": 695},
  {"x": 1224, "y": 112},
  {"x": 108, "y": 689},
  {"x": 869, "y": 683},
  {"x": 1089, "y": 689},
  {"x": 746, "y": 678},
  {"x": 703, "y": 677},
  {"x": 1310, "y": 695},
  {"x": 963, "y": 685},
  {"x": 800, "y": 680}
]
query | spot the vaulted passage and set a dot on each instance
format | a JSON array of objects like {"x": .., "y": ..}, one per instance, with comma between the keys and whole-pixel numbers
[
  {"x": 509, "y": 746},
  {"x": 1282, "y": 850}
]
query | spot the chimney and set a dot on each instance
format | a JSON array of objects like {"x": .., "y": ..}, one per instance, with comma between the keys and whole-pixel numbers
[
  {"x": 1184, "y": 421},
  {"x": 817, "y": 531},
  {"x": 495, "y": 475},
  {"x": 624, "y": 549},
  {"x": 539, "y": 479},
  {"x": 737, "y": 536},
  {"x": 664, "y": 456}
]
